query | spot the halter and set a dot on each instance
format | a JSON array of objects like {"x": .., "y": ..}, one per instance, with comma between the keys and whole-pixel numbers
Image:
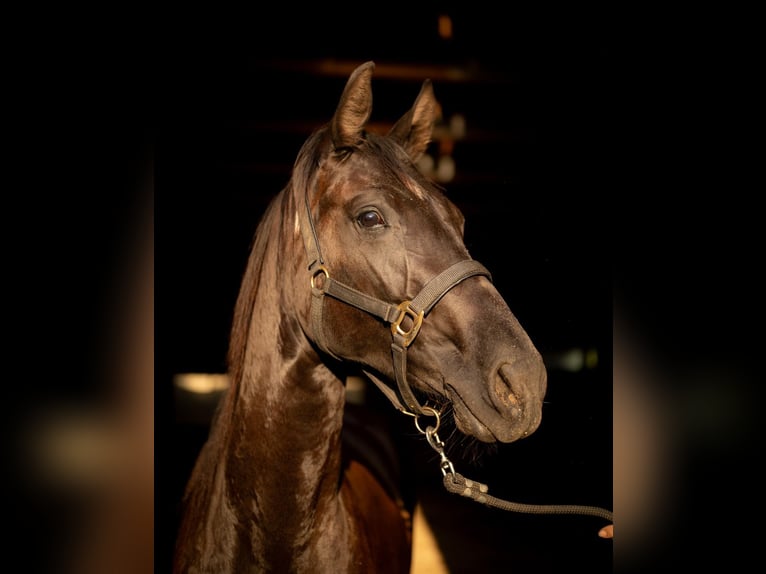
[
  {"x": 405, "y": 318},
  {"x": 402, "y": 337}
]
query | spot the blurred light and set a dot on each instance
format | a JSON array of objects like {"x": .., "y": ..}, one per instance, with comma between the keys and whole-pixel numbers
[
  {"x": 356, "y": 388},
  {"x": 457, "y": 126},
  {"x": 445, "y": 169},
  {"x": 445, "y": 26},
  {"x": 591, "y": 358},
  {"x": 201, "y": 383},
  {"x": 646, "y": 463},
  {"x": 197, "y": 396},
  {"x": 426, "y": 164},
  {"x": 572, "y": 360},
  {"x": 74, "y": 448},
  {"x": 426, "y": 554}
]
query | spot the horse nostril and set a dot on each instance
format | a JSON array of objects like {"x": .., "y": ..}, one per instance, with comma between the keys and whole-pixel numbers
[
  {"x": 518, "y": 386},
  {"x": 505, "y": 396}
]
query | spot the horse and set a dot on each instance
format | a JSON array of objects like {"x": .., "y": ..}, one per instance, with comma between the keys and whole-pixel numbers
[{"x": 357, "y": 265}]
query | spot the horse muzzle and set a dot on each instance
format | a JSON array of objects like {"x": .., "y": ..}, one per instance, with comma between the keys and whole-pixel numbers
[{"x": 511, "y": 407}]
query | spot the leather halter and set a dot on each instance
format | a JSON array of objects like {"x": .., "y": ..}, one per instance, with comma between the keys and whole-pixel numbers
[{"x": 405, "y": 318}]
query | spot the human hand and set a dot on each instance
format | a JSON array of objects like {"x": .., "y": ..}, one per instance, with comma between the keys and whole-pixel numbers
[{"x": 607, "y": 531}]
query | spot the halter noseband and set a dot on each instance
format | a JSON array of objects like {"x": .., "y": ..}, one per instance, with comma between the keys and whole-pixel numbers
[{"x": 404, "y": 318}]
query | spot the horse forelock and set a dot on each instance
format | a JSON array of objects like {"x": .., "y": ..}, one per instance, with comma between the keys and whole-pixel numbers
[
  {"x": 392, "y": 158},
  {"x": 395, "y": 161}
]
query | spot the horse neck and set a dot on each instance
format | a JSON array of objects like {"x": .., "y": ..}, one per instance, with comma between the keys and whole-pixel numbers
[{"x": 286, "y": 413}]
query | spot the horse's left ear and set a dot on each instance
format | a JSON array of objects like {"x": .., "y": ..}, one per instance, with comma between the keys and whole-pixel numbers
[{"x": 415, "y": 128}]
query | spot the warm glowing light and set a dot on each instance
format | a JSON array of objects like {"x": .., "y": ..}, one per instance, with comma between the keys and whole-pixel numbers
[
  {"x": 445, "y": 27},
  {"x": 457, "y": 126},
  {"x": 426, "y": 164},
  {"x": 356, "y": 389},
  {"x": 201, "y": 383},
  {"x": 445, "y": 169}
]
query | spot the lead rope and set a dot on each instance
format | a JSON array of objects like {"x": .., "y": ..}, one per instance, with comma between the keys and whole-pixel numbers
[{"x": 477, "y": 491}]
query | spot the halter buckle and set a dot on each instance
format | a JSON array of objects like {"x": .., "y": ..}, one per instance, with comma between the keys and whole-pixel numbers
[{"x": 405, "y": 310}]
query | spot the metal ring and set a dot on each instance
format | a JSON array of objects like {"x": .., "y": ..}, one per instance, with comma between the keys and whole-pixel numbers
[
  {"x": 435, "y": 414},
  {"x": 320, "y": 269}
]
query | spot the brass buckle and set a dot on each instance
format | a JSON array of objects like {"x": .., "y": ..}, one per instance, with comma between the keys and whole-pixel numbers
[{"x": 417, "y": 320}]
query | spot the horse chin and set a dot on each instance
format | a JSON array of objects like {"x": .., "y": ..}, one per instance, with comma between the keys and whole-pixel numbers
[
  {"x": 499, "y": 430},
  {"x": 471, "y": 426}
]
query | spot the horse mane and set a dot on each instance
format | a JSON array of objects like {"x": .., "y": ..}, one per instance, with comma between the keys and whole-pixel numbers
[
  {"x": 267, "y": 229},
  {"x": 279, "y": 212}
]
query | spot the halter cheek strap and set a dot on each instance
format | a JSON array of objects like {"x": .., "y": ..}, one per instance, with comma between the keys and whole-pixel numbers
[{"x": 405, "y": 318}]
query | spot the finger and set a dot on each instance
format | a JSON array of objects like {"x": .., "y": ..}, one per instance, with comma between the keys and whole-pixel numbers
[{"x": 607, "y": 531}]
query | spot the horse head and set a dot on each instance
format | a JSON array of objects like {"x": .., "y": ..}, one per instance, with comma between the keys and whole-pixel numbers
[{"x": 378, "y": 228}]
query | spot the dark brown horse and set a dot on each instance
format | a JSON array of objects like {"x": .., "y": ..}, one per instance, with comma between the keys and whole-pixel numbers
[{"x": 359, "y": 261}]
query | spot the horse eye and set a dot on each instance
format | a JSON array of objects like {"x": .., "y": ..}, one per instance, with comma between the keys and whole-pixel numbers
[{"x": 370, "y": 218}]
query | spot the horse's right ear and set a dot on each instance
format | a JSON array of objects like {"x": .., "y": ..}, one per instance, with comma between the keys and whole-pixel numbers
[{"x": 354, "y": 109}]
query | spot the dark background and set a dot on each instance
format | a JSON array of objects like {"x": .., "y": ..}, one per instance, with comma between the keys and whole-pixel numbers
[
  {"x": 609, "y": 138},
  {"x": 233, "y": 107}
]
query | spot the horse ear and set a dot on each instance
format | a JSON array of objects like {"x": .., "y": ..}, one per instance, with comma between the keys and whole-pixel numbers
[
  {"x": 354, "y": 108},
  {"x": 415, "y": 128}
]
